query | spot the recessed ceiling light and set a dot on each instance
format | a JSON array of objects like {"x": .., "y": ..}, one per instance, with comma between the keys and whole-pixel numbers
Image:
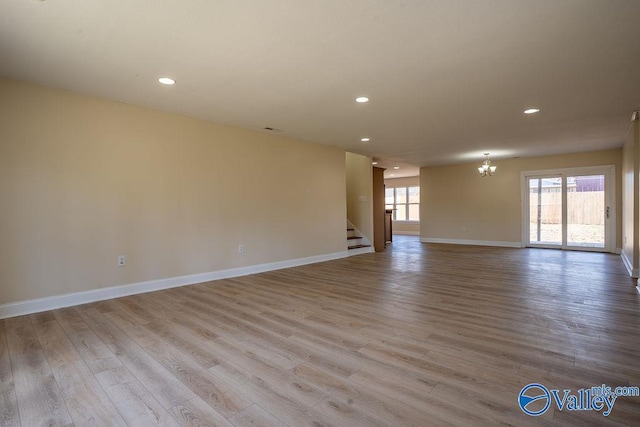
[
  {"x": 396, "y": 167},
  {"x": 374, "y": 163},
  {"x": 365, "y": 139},
  {"x": 393, "y": 174},
  {"x": 531, "y": 110},
  {"x": 167, "y": 81},
  {"x": 362, "y": 99}
]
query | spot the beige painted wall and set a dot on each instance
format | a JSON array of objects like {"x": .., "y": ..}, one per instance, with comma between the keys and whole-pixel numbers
[
  {"x": 458, "y": 204},
  {"x": 402, "y": 182},
  {"x": 408, "y": 228},
  {"x": 631, "y": 198},
  {"x": 359, "y": 174},
  {"x": 403, "y": 227},
  {"x": 83, "y": 180}
]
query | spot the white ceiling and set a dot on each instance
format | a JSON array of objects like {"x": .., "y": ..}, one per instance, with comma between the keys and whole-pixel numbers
[{"x": 448, "y": 80}]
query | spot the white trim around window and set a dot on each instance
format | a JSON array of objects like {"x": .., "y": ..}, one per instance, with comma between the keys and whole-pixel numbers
[{"x": 402, "y": 204}]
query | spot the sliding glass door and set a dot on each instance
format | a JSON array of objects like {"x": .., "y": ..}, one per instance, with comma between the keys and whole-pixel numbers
[
  {"x": 569, "y": 209},
  {"x": 545, "y": 211},
  {"x": 586, "y": 211}
]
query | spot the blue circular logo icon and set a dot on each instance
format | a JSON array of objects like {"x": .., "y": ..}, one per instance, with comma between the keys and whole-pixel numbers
[{"x": 532, "y": 397}]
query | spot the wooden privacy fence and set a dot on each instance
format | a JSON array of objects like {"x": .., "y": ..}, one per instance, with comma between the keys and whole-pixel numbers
[{"x": 583, "y": 207}]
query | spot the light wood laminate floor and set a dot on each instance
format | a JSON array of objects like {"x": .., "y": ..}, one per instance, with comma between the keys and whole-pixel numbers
[{"x": 418, "y": 335}]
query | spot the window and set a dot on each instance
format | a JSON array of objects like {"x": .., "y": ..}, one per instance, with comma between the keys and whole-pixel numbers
[{"x": 405, "y": 202}]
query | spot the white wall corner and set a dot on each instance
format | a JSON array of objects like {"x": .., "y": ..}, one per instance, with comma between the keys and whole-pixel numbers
[{"x": 633, "y": 272}]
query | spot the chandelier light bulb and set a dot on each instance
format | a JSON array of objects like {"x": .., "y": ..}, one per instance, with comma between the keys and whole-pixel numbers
[{"x": 486, "y": 169}]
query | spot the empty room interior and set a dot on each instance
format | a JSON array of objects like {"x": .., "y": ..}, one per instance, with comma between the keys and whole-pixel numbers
[{"x": 327, "y": 213}]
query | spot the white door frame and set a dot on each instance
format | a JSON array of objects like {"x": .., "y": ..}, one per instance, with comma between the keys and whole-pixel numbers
[{"x": 610, "y": 196}]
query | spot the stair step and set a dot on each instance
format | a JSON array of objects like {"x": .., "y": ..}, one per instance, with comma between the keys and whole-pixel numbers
[
  {"x": 354, "y": 237},
  {"x": 359, "y": 246}
]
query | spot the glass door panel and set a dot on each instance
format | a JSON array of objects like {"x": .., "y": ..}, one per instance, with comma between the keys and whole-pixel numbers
[
  {"x": 545, "y": 211},
  {"x": 570, "y": 208},
  {"x": 586, "y": 211}
]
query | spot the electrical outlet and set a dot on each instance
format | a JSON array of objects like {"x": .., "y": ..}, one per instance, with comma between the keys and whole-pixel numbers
[
  {"x": 240, "y": 248},
  {"x": 122, "y": 261}
]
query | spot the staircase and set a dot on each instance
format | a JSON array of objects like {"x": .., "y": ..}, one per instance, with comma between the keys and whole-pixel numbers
[{"x": 356, "y": 243}]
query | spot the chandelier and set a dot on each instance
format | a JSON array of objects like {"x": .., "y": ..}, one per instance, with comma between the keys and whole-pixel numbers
[{"x": 486, "y": 168}]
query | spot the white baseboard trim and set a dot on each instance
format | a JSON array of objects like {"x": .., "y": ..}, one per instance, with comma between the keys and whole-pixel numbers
[
  {"x": 472, "y": 242},
  {"x": 360, "y": 251},
  {"x": 67, "y": 300},
  {"x": 407, "y": 233},
  {"x": 633, "y": 272}
]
